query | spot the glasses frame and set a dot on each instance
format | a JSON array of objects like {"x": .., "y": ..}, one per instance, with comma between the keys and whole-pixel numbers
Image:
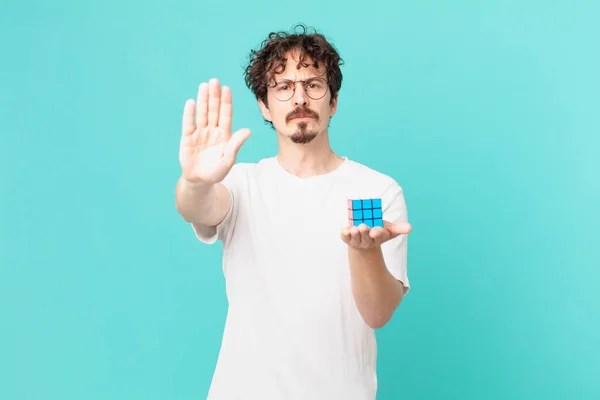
[{"x": 304, "y": 83}]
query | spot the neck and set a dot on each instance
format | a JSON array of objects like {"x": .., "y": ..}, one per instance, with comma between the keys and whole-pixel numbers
[{"x": 309, "y": 159}]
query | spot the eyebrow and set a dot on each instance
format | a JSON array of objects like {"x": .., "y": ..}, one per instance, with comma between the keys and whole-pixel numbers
[{"x": 288, "y": 79}]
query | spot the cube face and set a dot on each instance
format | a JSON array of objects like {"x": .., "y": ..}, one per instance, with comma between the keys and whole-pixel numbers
[{"x": 365, "y": 211}]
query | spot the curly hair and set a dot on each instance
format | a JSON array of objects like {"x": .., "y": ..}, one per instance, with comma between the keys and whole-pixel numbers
[{"x": 270, "y": 59}]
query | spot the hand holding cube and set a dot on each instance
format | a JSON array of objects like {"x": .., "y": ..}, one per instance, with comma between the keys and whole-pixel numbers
[{"x": 366, "y": 228}]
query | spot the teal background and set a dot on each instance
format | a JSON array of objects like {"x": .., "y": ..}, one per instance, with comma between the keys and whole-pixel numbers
[{"x": 487, "y": 113}]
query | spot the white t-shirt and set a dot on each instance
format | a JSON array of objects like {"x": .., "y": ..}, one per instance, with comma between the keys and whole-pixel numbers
[{"x": 293, "y": 330}]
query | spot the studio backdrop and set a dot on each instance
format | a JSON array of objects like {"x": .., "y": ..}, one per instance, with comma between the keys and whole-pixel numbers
[{"x": 486, "y": 113}]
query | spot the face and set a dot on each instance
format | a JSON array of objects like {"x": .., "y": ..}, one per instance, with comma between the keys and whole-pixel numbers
[{"x": 300, "y": 118}]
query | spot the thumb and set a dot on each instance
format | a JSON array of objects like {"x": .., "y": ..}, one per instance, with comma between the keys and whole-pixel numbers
[
  {"x": 400, "y": 228},
  {"x": 235, "y": 142}
]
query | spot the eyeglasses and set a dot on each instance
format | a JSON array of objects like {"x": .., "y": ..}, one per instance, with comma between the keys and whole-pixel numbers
[{"x": 315, "y": 88}]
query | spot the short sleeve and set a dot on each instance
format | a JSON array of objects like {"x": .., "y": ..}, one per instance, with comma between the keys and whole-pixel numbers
[
  {"x": 395, "y": 251},
  {"x": 233, "y": 183}
]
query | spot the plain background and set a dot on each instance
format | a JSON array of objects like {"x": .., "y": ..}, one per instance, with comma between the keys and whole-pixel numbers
[{"x": 486, "y": 112}]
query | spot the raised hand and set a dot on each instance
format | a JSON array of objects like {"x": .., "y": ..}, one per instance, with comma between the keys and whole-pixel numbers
[{"x": 208, "y": 150}]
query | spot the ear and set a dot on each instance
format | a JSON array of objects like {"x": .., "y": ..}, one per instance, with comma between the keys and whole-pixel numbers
[
  {"x": 333, "y": 107},
  {"x": 265, "y": 110}
]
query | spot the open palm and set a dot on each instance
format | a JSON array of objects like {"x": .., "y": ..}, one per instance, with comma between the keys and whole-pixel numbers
[{"x": 208, "y": 149}]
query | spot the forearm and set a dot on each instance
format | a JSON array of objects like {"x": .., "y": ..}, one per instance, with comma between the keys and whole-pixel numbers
[
  {"x": 376, "y": 291},
  {"x": 201, "y": 204}
]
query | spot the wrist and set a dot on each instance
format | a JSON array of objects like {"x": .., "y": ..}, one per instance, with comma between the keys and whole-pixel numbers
[
  {"x": 365, "y": 252},
  {"x": 195, "y": 185}
]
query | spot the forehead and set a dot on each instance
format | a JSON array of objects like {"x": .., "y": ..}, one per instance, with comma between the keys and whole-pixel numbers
[{"x": 298, "y": 66}]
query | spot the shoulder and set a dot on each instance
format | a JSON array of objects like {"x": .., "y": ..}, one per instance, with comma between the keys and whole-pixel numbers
[{"x": 365, "y": 175}]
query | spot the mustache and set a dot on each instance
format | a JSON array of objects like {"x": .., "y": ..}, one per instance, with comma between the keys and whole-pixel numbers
[{"x": 301, "y": 111}]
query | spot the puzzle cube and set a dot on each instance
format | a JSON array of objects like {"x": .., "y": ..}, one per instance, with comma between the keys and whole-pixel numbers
[{"x": 365, "y": 211}]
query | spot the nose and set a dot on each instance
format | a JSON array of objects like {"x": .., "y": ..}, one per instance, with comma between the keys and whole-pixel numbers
[{"x": 300, "y": 98}]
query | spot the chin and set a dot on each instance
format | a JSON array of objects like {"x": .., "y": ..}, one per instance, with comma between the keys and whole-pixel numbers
[
  {"x": 303, "y": 135},
  {"x": 303, "y": 138}
]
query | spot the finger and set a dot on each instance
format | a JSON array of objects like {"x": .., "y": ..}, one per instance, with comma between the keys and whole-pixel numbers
[
  {"x": 379, "y": 235},
  {"x": 226, "y": 113},
  {"x": 365, "y": 239},
  {"x": 355, "y": 237},
  {"x": 233, "y": 145},
  {"x": 345, "y": 235},
  {"x": 188, "y": 126},
  {"x": 214, "y": 102},
  {"x": 400, "y": 228},
  {"x": 377, "y": 232},
  {"x": 202, "y": 106}
]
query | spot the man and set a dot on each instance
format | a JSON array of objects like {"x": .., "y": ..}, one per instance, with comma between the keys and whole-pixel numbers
[{"x": 305, "y": 290}]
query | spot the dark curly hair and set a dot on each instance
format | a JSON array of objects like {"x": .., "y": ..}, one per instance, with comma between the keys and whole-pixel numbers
[{"x": 270, "y": 59}]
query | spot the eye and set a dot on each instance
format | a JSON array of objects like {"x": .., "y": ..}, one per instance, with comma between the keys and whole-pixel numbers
[{"x": 284, "y": 86}]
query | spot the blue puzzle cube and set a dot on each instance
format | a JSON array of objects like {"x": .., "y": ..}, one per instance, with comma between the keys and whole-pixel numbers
[{"x": 367, "y": 211}]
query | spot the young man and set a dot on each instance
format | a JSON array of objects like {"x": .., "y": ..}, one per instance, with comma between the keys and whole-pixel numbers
[{"x": 305, "y": 290}]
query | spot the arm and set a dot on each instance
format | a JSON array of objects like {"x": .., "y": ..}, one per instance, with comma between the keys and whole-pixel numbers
[
  {"x": 376, "y": 291},
  {"x": 202, "y": 204}
]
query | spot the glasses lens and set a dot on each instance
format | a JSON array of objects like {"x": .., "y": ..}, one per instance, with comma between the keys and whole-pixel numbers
[
  {"x": 283, "y": 90},
  {"x": 316, "y": 88}
]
